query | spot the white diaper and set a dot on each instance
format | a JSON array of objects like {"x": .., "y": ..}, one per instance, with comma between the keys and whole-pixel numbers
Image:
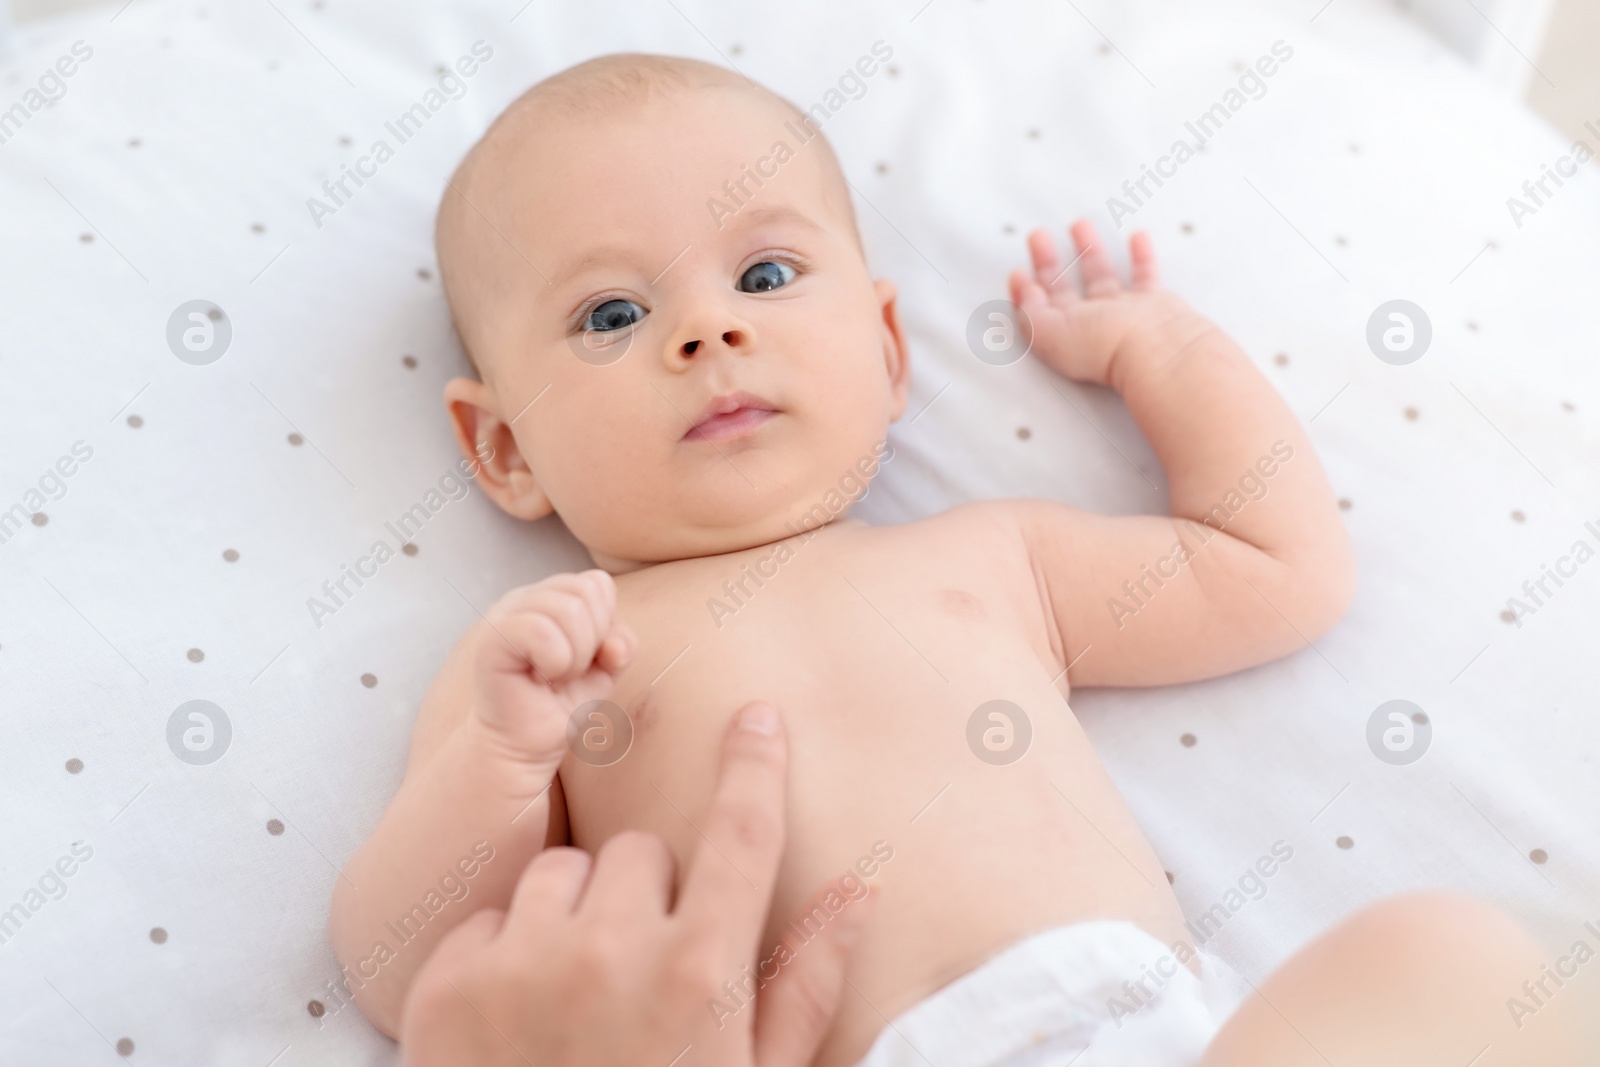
[{"x": 1071, "y": 995}]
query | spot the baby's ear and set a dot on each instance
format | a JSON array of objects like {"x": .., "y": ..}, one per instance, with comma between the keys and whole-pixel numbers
[
  {"x": 486, "y": 441},
  {"x": 896, "y": 357}
]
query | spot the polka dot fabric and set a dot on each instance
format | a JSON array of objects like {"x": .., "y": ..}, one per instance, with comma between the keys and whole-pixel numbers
[{"x": 204, "y": 751}]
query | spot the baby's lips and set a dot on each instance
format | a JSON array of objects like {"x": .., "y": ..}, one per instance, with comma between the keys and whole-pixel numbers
[{"x": 729, "y": 415}]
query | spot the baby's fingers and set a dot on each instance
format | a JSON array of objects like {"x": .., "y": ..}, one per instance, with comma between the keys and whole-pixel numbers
[
  {"x": 1099, "y": 276},
  {"x": 557, "y": 625},
  {"x": 617, "y": 650},
  {"x": 524, "y": 641},
  {"x": 1146, "y": 278},
  {"x": 1048, "y": 270},
  {"x": 1026, "y": 293}
]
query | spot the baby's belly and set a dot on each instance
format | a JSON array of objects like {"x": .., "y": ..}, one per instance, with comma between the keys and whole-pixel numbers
[{"x": 970, "y": 835}]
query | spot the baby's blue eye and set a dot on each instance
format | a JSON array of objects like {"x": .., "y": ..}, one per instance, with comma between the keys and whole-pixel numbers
[
  {"x": 765, "y": 277},
  {"x": 613, "y": 315}
]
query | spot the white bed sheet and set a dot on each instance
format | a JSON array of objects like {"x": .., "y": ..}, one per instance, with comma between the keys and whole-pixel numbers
[{"x": 186, "y": 147}]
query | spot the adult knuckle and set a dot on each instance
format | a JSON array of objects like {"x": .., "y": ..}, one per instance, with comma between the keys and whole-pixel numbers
[{"x": 750, "y": 826}]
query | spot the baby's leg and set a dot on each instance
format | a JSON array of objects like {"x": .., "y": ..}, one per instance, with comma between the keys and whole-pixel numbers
[{"x": 1411, "y": 981}]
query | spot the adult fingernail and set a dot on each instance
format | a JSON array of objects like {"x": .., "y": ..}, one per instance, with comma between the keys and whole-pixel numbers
[{"x": 760, "y": 719}]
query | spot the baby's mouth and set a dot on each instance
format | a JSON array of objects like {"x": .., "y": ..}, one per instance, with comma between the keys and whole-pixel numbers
[{"x": 727, "y": 417}]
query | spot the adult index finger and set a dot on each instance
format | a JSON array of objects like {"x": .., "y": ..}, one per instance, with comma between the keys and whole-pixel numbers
[{"x": 734, "y": 871}]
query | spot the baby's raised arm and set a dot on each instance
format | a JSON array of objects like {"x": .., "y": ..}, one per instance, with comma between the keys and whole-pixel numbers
[
  {"x": 1253, "y": 562},
  {"x": 476, "y": 803}
]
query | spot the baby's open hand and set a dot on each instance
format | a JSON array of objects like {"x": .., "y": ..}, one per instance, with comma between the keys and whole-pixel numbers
[
  {"x": 1081, "y": 334},
  {"x": 552, "y": 646}
]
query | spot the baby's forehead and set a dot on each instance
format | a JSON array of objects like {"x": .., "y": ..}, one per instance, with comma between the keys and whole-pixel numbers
[
  {"x": 671, "y": 128},
  {"x": 704, "y": 152}
]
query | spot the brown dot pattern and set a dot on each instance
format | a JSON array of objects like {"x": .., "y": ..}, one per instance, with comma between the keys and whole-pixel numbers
[
  {"x": 230, "y": 555},
  {"x": 425, "y": 274},
  {"x": 256, "y": 227},
  {"x": 40, "y": 518},
  {"x": 196, "y": 655},
  {"x": 1186, "y": 227},
  {"x": 74, "y": 765},
  {"x": 369, "y": 680},
  {"x": 275, "y": 827},
  {"x": 409, "y": 548},
  {"x": 317, "y": 1009},
  {"x": 1345, "y": 842},
  {"x": 158, "y": 935},
  {"x": 882, "y": 168},
  {"x": 135, "y": 421},
  {"x": 1472, "y": 326},
  {"x": 133, "y": 142},
  {"x": 296, "y": 440},
  {"x": 1281, "y": 359},
  {"x": 1187, "y": 740},
  {"x": 1023, "y": 433},
  {"x": 86, "y": 238},
  {"x": 124, "y": 1046},
  {"x": 1517, "y": 516},
  {"x": 1538, "y": 855},
  {"x": 409, "y": 361},
  {"x": 1411, "y": 414},
  {"x": 1344, "y": 503}
]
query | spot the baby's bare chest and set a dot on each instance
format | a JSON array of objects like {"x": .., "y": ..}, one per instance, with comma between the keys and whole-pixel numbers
[{"x": 877, "y": 653}]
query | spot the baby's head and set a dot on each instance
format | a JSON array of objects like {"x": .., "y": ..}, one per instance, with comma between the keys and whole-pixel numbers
[{"x": 653, "y": 264}]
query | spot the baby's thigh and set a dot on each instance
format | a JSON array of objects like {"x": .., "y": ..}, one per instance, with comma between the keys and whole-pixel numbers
[{"x": 1418, "y": 979}]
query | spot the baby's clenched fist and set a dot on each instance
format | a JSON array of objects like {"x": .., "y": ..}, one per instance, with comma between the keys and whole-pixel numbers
[{"x": 552, "y": 646}]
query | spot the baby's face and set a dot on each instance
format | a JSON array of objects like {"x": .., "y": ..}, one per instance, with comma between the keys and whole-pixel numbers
[{"x": 701, "y": 379}]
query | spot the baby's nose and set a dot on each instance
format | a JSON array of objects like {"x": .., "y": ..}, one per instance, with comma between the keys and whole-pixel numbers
[{"x": 731, "y": 338}]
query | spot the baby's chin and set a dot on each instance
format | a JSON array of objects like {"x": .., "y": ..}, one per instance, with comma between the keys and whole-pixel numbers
[
  {"x": 653, "y": 545},
  {"x": 800, "y": 491}
]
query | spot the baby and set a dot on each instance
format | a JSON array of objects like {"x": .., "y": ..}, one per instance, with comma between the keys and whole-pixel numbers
[{"x": 697, "y": 394}]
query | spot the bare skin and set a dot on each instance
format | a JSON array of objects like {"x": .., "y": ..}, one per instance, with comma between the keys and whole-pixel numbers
[
  {"x": 1413, "y": 981},
  {"x": 879, "y": 643}
]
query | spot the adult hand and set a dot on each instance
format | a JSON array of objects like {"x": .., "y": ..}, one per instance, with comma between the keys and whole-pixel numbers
[{"x": 593, "y": 965}]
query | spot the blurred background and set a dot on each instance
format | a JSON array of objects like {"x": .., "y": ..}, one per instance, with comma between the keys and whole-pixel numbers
[{"x": 1545, "y": 51}]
